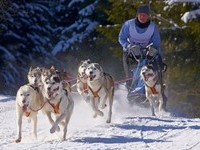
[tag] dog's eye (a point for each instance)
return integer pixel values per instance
(56, 79)
(28, 94)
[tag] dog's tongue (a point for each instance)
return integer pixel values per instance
(24, 108)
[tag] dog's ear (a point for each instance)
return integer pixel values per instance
(30, 69)
(150, 66)
(43, 70)
(99, 68)
(52, 68)
(56, 79)
(80, 63)
(89, 61)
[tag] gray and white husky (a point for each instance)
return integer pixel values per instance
(101, 89)
(28, 102)
(60, 102)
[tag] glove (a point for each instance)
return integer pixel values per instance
(152, 51)
(133, 49)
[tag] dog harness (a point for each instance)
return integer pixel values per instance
(152, 88)
(95, 94)
(85, 88)
(55, 106)
(27, 114)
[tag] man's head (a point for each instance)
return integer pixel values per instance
(143, 13)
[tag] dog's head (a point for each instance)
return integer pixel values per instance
(52, 82)
(94, 71)
(34, 76)
(82, 67)
(148, 72)
(25, 97)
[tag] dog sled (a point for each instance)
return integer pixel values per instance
(137, 57)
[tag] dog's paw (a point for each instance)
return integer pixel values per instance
(18, 140)
(165, 114)
(52, 130)
(63, 139)
(103, 106)
(108, 121)
(58, 129)
(95, 115)
(100, 113)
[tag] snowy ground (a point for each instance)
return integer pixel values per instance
(131, 128)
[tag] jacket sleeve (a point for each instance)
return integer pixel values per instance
(156, 40)
(124, 35)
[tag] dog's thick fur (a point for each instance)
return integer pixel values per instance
(153, 87)
(81, 83)
(100, 84)
(28, 102)
(59, 100)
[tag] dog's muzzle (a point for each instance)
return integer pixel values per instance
(24, 107)
(147, 76)
(91, 77)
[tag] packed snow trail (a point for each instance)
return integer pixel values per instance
(131, 128)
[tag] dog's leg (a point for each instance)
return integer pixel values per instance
(66, 125)
(111, 94)
(19, 128)
(94, 107)
(19, 124)
(161, 103)
(103, 104)
(58, 120)
(48, 114)
(151, 101)
(34, 120)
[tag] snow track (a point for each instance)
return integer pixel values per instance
(131, 128)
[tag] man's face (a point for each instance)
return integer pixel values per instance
(143, 17)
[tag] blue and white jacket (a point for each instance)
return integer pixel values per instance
(130, 33)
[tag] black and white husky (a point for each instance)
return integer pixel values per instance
(154, 91)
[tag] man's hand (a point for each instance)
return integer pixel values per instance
(133, 49)
(152, 51)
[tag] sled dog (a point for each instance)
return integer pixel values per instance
(59, 100)
(34, 78)
(153, 87)
(100, 85)
(81, 83)
(27, 104)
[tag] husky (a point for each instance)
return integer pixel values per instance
(34, 77)
(28, 103)
(100, 85)
(81, 83)
(153, 88)
(59, 100)
(35, 80)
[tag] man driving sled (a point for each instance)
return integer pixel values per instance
(138, 33)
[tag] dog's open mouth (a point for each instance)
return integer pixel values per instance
(24, 108)
(91, 77)
(50, 94)
(148, 75)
